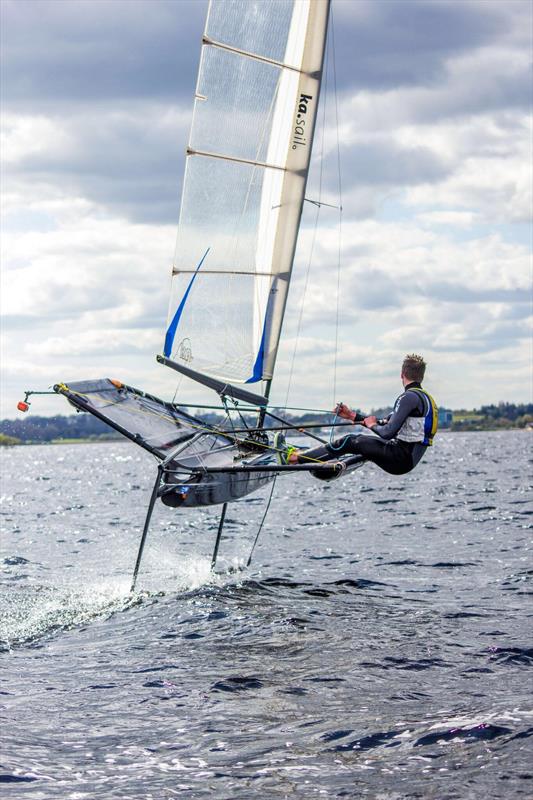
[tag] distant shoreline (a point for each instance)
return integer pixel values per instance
(88, 440)
(85, 428)
(106, 439)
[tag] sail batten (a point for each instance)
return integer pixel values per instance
(192, 152)
(247, 54)
(176, 271)
(244, 186)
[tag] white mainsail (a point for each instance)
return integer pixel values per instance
(244, 184)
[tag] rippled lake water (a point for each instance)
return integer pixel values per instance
(381, 644)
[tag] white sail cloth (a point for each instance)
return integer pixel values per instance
(244, 184)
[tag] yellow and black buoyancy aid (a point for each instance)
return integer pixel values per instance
(421, 429)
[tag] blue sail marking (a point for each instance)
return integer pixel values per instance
(257, 374)
(171, 332)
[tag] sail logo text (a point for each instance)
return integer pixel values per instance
(298, 138)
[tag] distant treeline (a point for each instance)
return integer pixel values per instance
(510, 411)
(494, 417)
(49, 429)
(33, 429)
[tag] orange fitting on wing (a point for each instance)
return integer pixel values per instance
(118, 384)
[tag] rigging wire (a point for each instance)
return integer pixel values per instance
(339, 252)
(315, 231)
(330, 62)
(249, 408)
(302, 303)
(238, 410)
(229, 418)
(206, 429)
(178, 387)
(226, 408)
(262, 521)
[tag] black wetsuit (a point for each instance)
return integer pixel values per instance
(392, 455)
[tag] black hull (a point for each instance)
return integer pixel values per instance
(214, 489)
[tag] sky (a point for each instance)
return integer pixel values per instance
(434, 132)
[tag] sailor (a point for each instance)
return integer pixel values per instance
(402, 438)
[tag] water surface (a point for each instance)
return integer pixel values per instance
(380, 645)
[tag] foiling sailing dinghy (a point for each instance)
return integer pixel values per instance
(245, 177)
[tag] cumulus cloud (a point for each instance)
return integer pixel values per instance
(124, 159)
(434, 140)
(409, 43)
(79, 53)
